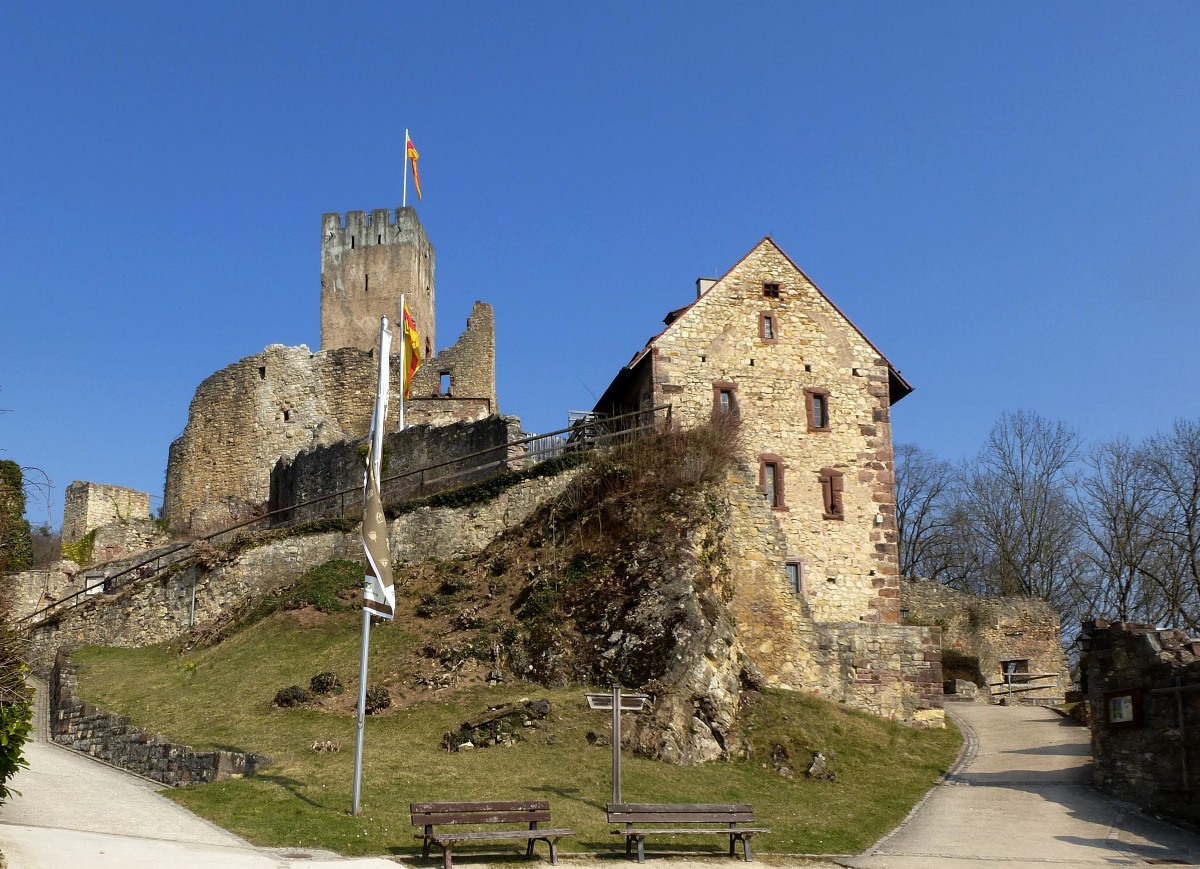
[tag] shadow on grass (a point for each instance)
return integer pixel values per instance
(292, 786)
(570, 794)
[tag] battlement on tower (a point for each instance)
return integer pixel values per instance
(368, 261)
(357, 229)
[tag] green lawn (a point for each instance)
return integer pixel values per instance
(221, 696)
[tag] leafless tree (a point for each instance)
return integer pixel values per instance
(1016, 507)
(1118, 506)
(924, 492)
(1174, 461)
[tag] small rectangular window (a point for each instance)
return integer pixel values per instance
(820, 411)
(724, 398)
(795, 575)
(767, 326)
(832, 485)
(444, 382)
(770, 477)
(771, 291)
(816, 404)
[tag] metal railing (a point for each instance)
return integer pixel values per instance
(585, 432)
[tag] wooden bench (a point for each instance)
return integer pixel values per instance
(531, 812)
(705, 819)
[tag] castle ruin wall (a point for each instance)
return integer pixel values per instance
(1018, 633)
(456, 455)
(87, 506)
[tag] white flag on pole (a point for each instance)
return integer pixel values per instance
(379, 595)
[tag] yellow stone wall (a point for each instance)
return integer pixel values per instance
(850, 563)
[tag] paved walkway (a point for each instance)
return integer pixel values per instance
(1022, 798)
(77, 812)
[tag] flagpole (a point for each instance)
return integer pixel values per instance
(403, 347)
(404, 160)
(376, 454)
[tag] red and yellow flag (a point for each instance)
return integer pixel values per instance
(411, 152)
(412, 348)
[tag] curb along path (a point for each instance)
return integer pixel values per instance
(1021, 796)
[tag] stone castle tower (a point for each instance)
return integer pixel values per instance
(270, 406)
(367, 263)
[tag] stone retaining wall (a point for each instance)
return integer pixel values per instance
(113, 739)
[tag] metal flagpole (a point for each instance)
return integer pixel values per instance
(403, 342)
(404, 198)
(377, 423)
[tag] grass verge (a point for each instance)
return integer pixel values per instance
(220, 697)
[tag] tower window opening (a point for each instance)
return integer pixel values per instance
(366, 283)
(262, 372)
(351, 242)
(287, 416)
(444, 383)
(379, 239)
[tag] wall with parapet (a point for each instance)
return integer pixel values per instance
(31, 590)
(994, 631)
(113, 739)
(467, 452)
(247, 416)
(1143, 689)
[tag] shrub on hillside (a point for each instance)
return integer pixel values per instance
(378, 699)
(293, 695)
(324, 683)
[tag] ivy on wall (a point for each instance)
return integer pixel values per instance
(16, 537)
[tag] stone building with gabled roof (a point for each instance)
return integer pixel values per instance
(813, 396)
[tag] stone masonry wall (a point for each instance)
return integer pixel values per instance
(247, 416)
(91, 505)
(995, 630)
(1143, 689)
(889, 670)
(325, 470)
(158, 609)
(851, 561)
(367, 262)
(31, 590)
(120, 539)
(470, 365)
(113, 739)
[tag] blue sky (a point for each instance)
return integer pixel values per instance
(1004, 197)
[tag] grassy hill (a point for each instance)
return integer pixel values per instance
(574, 596)
(221, 697)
